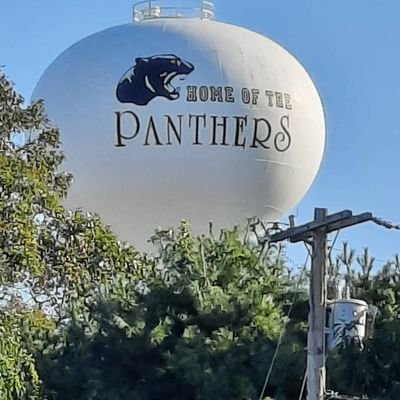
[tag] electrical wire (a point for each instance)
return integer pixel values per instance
(333, 243)
(303, 385)
(278, 345)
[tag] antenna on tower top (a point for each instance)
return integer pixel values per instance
(154, 9)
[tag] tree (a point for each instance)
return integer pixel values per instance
(49, 256)
(52, 252)
(347, 258)
(202, 324)
(18, 376)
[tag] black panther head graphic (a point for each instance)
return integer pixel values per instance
(151, 77)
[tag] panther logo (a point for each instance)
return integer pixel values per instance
(151, 77)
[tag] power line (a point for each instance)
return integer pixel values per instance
(303, 385)
(385, 224)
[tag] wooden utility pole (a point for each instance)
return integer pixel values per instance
(317, 313)
(317, 231)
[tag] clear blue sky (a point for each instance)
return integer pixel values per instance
(351, 49)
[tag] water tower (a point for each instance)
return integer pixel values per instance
(176, 116)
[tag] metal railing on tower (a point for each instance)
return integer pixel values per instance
(153, 9)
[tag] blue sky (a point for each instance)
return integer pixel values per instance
(350, 48)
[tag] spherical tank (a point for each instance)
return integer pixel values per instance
(167, 119)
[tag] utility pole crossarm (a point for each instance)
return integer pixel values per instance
(337, 225)
(309, 227)
(331, 223)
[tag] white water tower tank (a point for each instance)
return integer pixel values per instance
(176, 116)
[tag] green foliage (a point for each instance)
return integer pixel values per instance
(49, 257)
(30, 183)
(201, 324)
(18, 376)
(55, 254)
